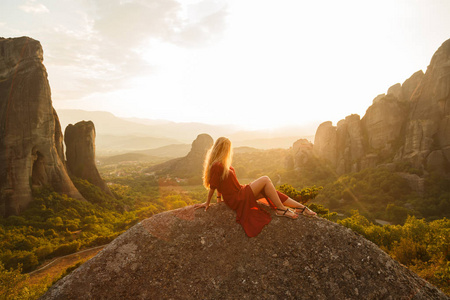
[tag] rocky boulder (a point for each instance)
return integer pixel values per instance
(190, 166)
(30, 134)
(80, 153)
(193, 254)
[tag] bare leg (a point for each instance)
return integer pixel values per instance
(265, 184)
(292, 203)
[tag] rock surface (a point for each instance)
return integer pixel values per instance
(80, 153)
(411, 123)
(383, 123)
(325, 142)
(193, 254)
(302, 151)
(190, 166)
(349, 144)
(30, 133)
(427, 127)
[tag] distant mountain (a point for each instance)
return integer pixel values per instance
(105, 123)
(162, 154)
(108, 124)
(117, 135)
(170, 151)
(129, 157)
(113, 143)
(270, 143)
(148, 121)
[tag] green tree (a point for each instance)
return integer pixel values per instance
(302, 196)
(11, 282)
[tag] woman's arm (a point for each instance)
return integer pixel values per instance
(210, 194)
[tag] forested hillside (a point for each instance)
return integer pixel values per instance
(56, 225)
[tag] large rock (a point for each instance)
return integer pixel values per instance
(396, 91)
(187, 254)
(427, 128)
(383, 123)
(80, 153)
(410, 85)
(30, 133)
(339, 145)
(301, 152)
(190, 166)
(349, 144)
(411, 123)
(325, 142)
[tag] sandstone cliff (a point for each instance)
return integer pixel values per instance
(187, 254)
(30, 133)
(427, 138)
(411, 123)
(190, 166)
(80, 153)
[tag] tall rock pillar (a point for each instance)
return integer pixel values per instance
(30, 134)
(80, 153)
(427, 139)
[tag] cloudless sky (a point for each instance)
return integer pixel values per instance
(254, 63)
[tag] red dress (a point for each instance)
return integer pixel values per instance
(240, 198)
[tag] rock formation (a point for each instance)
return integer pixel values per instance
(427, 138)
(193, 254)
(383, 123)
(344, 146)
(30, 134)
(325, 142)
(411, 123)
(190, 166)
(410, 85)
(80, 153)
(301, 152)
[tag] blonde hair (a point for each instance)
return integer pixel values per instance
(221, 152)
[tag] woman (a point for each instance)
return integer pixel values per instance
(218, 174)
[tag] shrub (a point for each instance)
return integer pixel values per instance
(66, 249)
(10, 282)
(407, 251)
(302, 196)
(25, 259)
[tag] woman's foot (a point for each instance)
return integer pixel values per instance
(305, 211)
(286, 213)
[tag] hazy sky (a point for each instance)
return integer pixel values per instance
(259, 63)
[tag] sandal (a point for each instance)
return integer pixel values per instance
(293, 216)
(305, 211)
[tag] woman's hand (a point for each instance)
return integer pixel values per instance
(205, 205)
